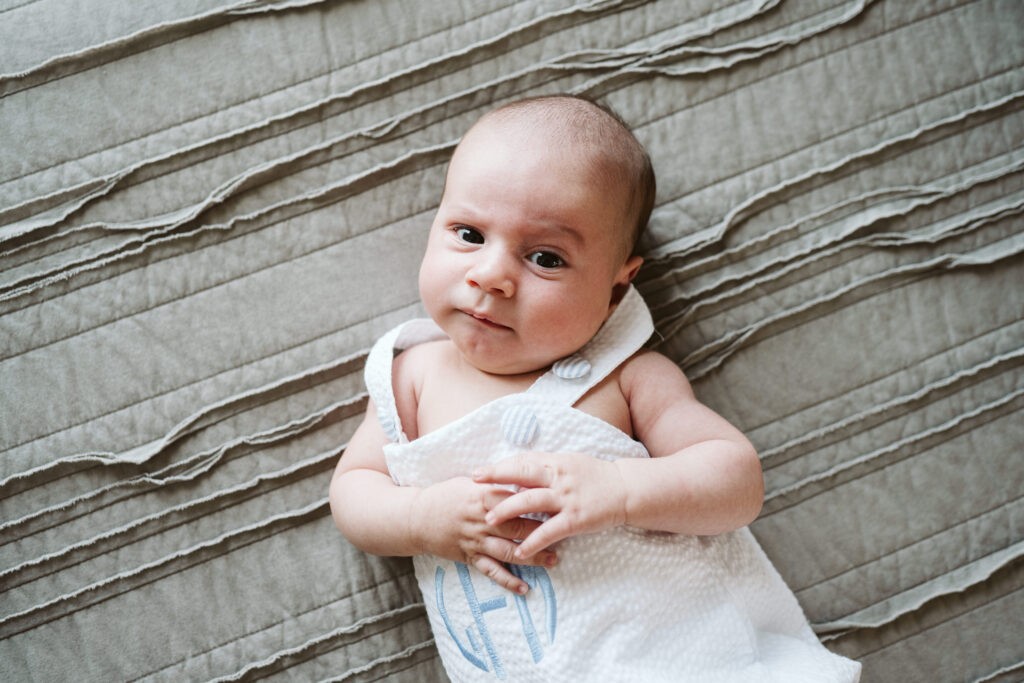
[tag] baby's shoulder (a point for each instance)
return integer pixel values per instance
(410, 372)
(646, 360)
(649, 373)
(411, 365)
(426, 351)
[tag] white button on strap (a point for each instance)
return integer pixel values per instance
(520, 426)
(572, 367)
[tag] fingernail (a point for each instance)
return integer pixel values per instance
(551, 561)
(477, 474)
(522, 589)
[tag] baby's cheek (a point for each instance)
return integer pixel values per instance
(573, 328)
(432, 283)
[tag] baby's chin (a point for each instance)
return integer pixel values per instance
(500, 350)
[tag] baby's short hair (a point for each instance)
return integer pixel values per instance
(622, 161)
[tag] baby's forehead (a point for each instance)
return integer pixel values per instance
(592, 138)
(576, 147)
(544, 138)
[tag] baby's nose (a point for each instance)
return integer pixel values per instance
(494, 274)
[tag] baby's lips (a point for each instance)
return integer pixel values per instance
(489, 321)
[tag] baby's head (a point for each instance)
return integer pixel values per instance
(597, 139)
(532, 245)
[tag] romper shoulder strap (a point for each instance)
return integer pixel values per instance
(377, 373)
(623, 334)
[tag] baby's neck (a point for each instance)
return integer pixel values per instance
(452, 388)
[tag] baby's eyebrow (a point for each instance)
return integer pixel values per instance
(560, 229)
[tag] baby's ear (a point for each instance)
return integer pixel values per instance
(626, 274)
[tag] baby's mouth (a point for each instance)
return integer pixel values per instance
(487, 321)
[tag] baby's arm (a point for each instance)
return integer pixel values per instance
(703, 478)
(446, 519)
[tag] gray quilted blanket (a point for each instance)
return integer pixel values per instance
(209, 209)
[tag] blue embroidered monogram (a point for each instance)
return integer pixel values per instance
(536, 578)
(480, 642)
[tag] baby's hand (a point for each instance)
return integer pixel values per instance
(449, 520)
(581, 493)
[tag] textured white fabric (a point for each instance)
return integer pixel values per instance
(621, 605)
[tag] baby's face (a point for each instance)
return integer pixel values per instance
(523, 253)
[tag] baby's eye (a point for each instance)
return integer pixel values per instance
(545, 259)
(469, 235)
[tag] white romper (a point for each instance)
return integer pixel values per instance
(620, 605)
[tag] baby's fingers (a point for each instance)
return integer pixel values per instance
(505, 551)
(515, 529)
(528, 471)
(525, 502)
(499, 573)
(547, 534)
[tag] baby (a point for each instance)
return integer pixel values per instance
(573, 511)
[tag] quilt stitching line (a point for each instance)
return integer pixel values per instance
(406, 654)
(377, 83)
(827, 435)
(227, 16)
(952, 424)
(724, 302)
(861, 125)
(917, 541)
(717, 352)
(942, 622)
(26, 3)
(207, 288)
(220, 500)
(958, 344)
(262, 530)
(686, 108)
(375, 587)
(284, 660)
(150, 482)
(210, 377)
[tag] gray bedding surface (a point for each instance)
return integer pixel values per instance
(210, 209)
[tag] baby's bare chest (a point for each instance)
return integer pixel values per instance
(445, 399)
